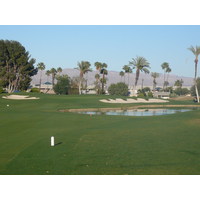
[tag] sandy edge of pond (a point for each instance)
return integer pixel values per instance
(129, 108)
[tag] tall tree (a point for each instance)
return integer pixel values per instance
(164, 66)
(59, 70)
(141, 65)
(101, 67)
(97, 83)
(178, 83)
(168, 70)
(127, 70)
(121, 74)
(196, 52)
(103, 80)
(154, 75)
(83, 67)
(16, 66)
(41, 67)
(53, 74)
(48, 73)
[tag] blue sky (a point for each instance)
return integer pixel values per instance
(63, 46)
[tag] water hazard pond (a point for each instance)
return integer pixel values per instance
(138, 112)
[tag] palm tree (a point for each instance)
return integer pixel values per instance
(41, 67)
(168, 70)
(101, 67)
(59, 70)
(128, 70)
(154, 75)
(53, 72)
(98, 66)
(141, 65)
(196, 52)
(121, 74)
(97, 83)
(103, 80)
(164, 66)
(178, 83)
(48, 74)
(83, 67)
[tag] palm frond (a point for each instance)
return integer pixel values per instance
(192, 49)
(145, 70)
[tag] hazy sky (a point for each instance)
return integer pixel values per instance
(63, 46)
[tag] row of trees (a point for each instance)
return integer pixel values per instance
(142, 65)
(17, 68)
(84, 67)
(53, 72)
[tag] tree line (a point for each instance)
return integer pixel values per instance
(17, 68)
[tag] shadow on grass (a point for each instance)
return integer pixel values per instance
(58, 143)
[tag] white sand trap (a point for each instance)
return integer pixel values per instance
(139, 100)
(19, 97)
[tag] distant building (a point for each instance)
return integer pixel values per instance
(163, 95)
(47, 88)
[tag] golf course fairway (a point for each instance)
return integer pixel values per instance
(94, 144)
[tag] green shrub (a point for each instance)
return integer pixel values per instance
(120, 89)
(62, 86)
(150, 94)
(146, 89)
(181, 91)
(141, 95)
(37, 90)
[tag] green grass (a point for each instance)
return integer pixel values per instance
(167, 144)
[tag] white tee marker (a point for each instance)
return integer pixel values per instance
(52, 141)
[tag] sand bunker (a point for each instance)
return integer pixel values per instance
(139, 100)
(19, 97)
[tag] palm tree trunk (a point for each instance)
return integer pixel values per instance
(40, 78)
(154, 84)
(164, 82)
(196, 88)
(53, 77)
(167, 76)
(80, 82)
(79, 87)
(102, 84)
(137, 77)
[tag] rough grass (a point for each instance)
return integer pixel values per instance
(95, 144)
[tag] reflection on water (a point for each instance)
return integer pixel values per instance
(137, 112)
